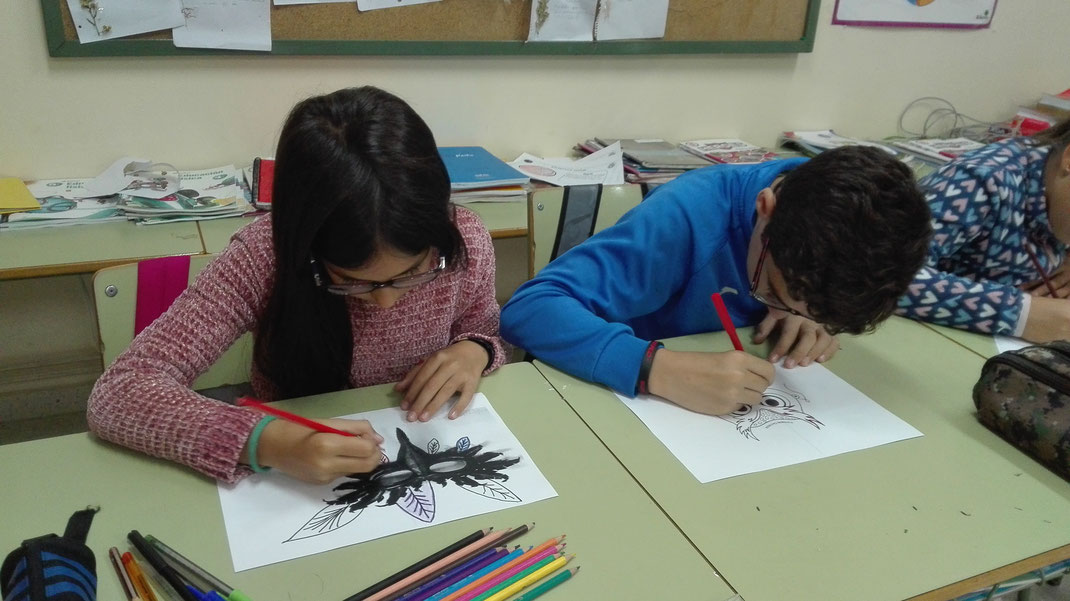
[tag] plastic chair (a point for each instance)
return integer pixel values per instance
(115, 292)
(560, 218)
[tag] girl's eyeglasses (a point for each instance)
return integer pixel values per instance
(365, 286)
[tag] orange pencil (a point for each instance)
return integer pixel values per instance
(138, 578)
(485, 579)
(446, 562)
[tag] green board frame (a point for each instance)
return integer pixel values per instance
(60, 46)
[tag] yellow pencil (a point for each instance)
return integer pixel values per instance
(530, 579)
(142, 586)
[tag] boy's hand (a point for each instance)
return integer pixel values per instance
(800, 341)
(456, 368)
(318, 457)
(710, 383)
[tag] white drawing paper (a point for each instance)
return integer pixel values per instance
(605, 166)
(807, 413)
(915, 13)
(380, 4)
(225, 24)
(630, 19)
(562, 20)
(1008, 343)
(110, 19)
(432, 472)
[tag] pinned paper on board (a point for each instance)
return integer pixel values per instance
(229, 25)
(562, 20)
(365, 5)
(807, 413)
(97, 20)
(971, 14)
(432, 472)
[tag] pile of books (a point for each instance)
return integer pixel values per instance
(812, 143)
(478, 175)
(656, 161)
(938, 150)
(64, 202)
(205, 194)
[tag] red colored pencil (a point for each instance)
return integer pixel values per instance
(726, 320)
(286, 415)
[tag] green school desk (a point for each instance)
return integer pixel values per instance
(85, 249)
(503, 220)
(928, 518)
(981, 344)
(627, 547)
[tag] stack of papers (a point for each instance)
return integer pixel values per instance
(815, 142)
(478, 175)
(729, 150)
(206, 194)
(940, 150)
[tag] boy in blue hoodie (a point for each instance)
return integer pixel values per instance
(812, 247)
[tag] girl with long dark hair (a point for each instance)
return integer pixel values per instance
(364, 273)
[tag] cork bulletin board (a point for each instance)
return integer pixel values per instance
(474, 27)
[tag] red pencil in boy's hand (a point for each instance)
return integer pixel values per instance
(726, 320)
(286, 415)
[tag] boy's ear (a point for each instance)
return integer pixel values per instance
(765, 203)
(1064, 161)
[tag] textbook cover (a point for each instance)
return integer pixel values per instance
(474, 167)
(655, 153)
(729, 150)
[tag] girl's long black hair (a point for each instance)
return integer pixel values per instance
(355, 171)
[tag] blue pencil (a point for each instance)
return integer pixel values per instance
(448, 578)
(473, 577)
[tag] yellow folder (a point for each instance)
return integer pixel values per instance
(15, 196)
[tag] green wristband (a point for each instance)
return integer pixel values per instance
(254, 440)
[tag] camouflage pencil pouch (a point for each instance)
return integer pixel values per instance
(1024, 396)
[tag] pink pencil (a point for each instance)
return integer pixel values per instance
(484, 543)
(726, 320)
(523, 564)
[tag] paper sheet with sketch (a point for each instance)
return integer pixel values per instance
(630, 19)
(562, 20)
(808, 413)
(432, 472)
(111, 19)
(228, 25)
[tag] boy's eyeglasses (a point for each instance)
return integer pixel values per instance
(365, 286)
(772, 304)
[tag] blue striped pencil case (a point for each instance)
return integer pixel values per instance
(53, 568)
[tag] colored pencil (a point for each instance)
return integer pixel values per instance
(1043, 276)
(419, 565)
(518, 567)
(548, 584)
(124, 579)
(416, 579)
(726, 319)
(291, 417)
(479, 584)
(462, 571)
(530, 579)
(449, 590)
(514, 578)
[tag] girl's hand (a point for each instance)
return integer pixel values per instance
(1060, 281)
(454, 369)
(318, 457)
(800, 340)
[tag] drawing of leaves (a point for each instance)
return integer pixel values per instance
(492, 490)
(419, 502)
(432, 445)
(328, 519)
(463, 444)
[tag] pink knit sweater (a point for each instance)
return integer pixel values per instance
(144, 401)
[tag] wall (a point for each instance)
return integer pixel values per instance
(72, 117)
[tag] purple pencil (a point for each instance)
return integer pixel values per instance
(475, 564)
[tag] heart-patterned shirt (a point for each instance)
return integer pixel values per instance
(989, 211)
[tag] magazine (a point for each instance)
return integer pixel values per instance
(729, 150)
(939, 149)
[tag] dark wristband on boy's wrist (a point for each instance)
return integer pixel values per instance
(487, 347)
(648, 362)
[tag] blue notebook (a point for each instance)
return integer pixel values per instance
(474, 167)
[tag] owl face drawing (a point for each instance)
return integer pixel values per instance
(778, 406)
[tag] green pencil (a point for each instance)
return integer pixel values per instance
(553, 581)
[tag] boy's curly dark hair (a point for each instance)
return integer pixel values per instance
(850, 230)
